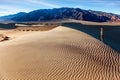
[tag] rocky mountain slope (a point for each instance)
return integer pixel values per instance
(64, 13)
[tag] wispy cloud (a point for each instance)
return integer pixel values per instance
(98, 2)
(8, 9)
(14, 6)
(43, 3)
(107, 2)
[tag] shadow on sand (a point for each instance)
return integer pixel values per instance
(110, 33)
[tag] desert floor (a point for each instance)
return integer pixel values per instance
(59, 54)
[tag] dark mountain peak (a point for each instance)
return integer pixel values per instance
(13, 15)
(21, 13)
(65, 13)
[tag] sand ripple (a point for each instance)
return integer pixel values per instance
(59, 54)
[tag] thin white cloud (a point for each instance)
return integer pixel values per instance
(14, 6)
(98, 2)
(112, 4)
(6, 9)
(17, 6)
(43, 3)
(107, 3)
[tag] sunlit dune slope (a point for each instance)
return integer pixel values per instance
(59, 54)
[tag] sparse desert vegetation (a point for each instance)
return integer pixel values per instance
(36, 27)
(3, 37)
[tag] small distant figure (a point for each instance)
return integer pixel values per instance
(101, 34)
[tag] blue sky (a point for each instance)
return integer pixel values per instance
(14, 6)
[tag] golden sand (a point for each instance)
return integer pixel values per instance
(59, 54)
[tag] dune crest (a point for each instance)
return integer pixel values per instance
(59, 54)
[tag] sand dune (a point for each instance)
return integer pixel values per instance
(59, 54)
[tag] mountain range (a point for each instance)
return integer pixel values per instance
(61, 14)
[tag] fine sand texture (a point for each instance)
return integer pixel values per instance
(109, 32)
(59, 54)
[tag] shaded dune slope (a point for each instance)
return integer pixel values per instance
(111, 32)
(60, 54)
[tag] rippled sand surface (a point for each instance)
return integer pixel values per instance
(59, 54)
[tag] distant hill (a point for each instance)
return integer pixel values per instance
(10, 17)
(63, 13)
